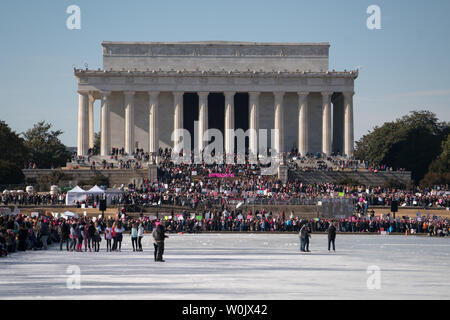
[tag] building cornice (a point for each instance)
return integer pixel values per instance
(209, 73)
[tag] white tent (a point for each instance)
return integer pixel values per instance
(69, 214)
(74, 195)
(95, 190)
(113, 193)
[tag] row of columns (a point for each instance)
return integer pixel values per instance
(86, 121)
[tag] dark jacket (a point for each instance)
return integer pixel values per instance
(158, 233)
(91, 231)
(65, 231)
(332, 232)
(44, 231)
(23, 234)
(303, 231)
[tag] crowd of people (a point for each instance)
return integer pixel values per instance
(193, 187)
(21, 233)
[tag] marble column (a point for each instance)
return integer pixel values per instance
(278, 145)
(348, 124)
(178, 112)
(83, 123)
(303, 123)
(153, 130)
(253, 122)
(326, 123)
(202, 119)
(105, 135)
(229, 122)
(91, 120)
(129, 122)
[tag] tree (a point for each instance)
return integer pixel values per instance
(98, 179)
(12, 148)
(44, 182)
(10, 173)
(44, 147)
(411, 142)
(97, 142)
(439, 171)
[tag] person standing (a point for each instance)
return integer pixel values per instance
(85, 235)
(73, 237)
(331, 236)
(114, 236)
(134, 237)
(97, 237)
(302, 234)
(91, 236)
(23, 236)
(80, 237)
(308, 235)
(44, 232)
(140, 236)
(119, 229)
(64, 237)
(158, 239)
(108, 237)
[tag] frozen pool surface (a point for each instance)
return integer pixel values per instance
(238, 266)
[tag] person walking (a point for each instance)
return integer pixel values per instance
(302, 235)
(158, 240)
(331, 236)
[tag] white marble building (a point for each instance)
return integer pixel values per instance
(148, 89)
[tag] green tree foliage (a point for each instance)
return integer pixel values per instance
(97, 142)
(411, 142)
(55, 178)
(439, 172)
(98, 179)
(10, 173)
(12, 148)
(44, 147)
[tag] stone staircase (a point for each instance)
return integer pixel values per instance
(363, 177)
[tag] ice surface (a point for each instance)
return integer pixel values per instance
(238, 266)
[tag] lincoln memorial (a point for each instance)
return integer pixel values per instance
(149, 89)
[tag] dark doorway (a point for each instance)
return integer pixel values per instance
(216, 112)
(190, 114)
(241, 116)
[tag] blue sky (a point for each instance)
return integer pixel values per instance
(404, 66)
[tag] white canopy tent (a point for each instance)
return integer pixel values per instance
(74, 195)
(78, 194)
(69, 214)
(95, 190)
